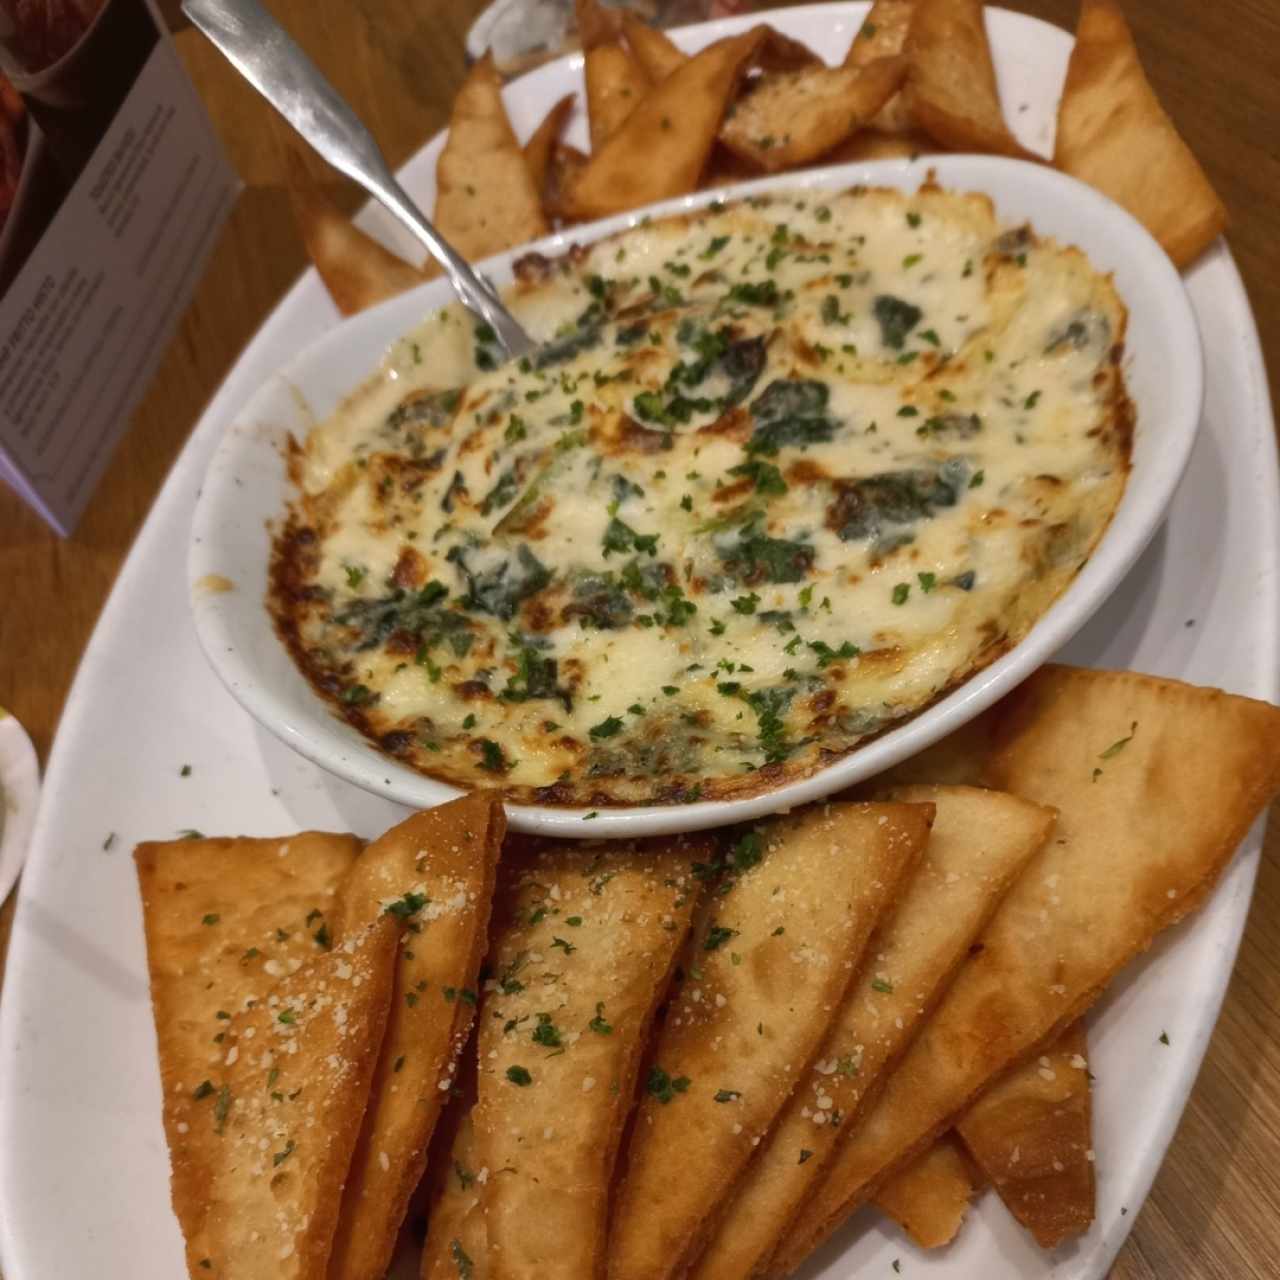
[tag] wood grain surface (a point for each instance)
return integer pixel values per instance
(1215, 1209)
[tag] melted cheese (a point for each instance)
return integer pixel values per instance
(785, 471)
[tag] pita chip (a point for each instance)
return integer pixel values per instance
(952, 88)
(930, 1198)
(654, 50)
(224, 918)
(281, 1118)
(883, 34)
(662, 148)
(1114, 134)
(357, 271)
(980, 843)
(456, 1235)
(593, 933)
(616, 84)
(435, 874)
(486, 200)
(790, 118)
(771, 963)
(1030, 1134)
(1156, 783)
(542, 141)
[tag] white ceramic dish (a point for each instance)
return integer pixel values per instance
(83, 1168)
(247, 487)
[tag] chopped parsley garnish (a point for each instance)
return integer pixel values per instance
(492, 757)
(222, 1108)
(567, 947)
(546, 1033)
(927, 581)
(466, 1267)
(281, 1156)
(805, 1154)
(882, 985)
(202, 1090)
(409, 905)
(745, 604)
(900, 592)
(606, 728)
(1119, 745)
(621, 537)
(717, 936)
(598, 1023)
(212, 918)
(661, 1086)
(728, 1095)
(766, 478)
(519, 1076)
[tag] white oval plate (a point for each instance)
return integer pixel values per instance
(83, 1169)
(247, 488)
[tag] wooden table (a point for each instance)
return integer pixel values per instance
(1215, 1210)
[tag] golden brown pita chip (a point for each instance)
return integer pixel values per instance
(788, 118)
(980, 843)
(593, 934)
(771, 963)
(485, 197)
(597, 23)
(1156, 783)
(872, 144)
(537, 151)
(661, 149)
(616, 84)
(224, 919)
(654, 50)
(456, 1235)
(883, 34)
(1114, 135)
(1030, 1135)
(566, 163)
(357, 271)
(929, 1198)
(952, 90)
(435, 872)
(275, 1137)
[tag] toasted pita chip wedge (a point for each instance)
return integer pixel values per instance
(1156, 783)
(883, 34)
(597, 23)
(1030, 1134)
(456, 1235)
(1108, 115)
(457, 1238)
(435, 871)
(981, 841)
(593, 935)
(654, 50)
(566, 163)
(542, 141)
(357, 271)
(789, 118)
(930, 1198)
(218, 913)
(661, 149)
(952, 91)
(486, 200)
(616, 84)
(872, 144)
(275, 1139)
(771, 964)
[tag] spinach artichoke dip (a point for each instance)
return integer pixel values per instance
(784, 472)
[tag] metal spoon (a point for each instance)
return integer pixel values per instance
(264, 53)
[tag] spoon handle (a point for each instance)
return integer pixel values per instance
(269, 59)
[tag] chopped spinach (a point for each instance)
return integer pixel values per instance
(790, 411)
(499, 591)
(896, 319)
(865, 507)
(754, 557)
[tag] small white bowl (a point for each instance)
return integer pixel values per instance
(246, 489)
